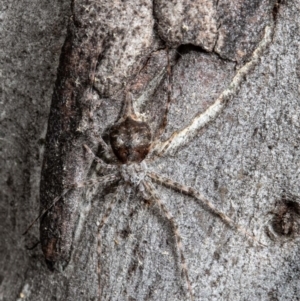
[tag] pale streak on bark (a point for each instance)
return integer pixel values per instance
(180, 138)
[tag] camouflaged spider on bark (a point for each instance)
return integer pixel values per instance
(134, 145)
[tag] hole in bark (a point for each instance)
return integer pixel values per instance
(286, 218)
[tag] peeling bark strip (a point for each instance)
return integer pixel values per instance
(228, 28)
(63, 161)
(98, 56)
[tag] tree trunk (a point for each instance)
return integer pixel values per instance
(245, 161)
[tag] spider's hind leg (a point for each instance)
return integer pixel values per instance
(90, 182)
(197, 195)
(102, 223)
(150, 190)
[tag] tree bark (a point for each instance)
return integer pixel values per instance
(246, 161)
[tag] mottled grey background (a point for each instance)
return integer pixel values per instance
(243, 162)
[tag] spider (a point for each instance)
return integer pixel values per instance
(133, 146)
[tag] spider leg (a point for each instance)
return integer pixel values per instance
(169, 92)
(90, 182)
(152, 192)
(150, 89)
(107, 154)
(197, 195)
(103, 221)
(45, 210)
(182, 137)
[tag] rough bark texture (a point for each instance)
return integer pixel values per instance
(246, 161)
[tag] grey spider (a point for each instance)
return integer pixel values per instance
(132, 144)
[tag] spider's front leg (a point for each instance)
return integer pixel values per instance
(103, 221)
(108, 154)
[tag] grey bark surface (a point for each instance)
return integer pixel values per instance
(246, 161)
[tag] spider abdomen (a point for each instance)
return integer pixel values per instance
(130, 140)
